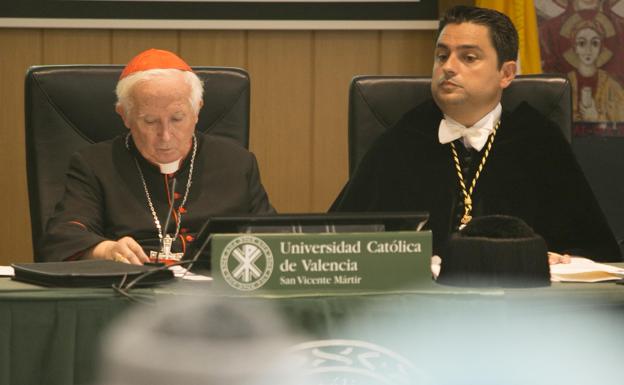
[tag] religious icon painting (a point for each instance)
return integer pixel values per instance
(581, 38)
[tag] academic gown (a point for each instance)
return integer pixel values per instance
(531, 173)
(105, 199)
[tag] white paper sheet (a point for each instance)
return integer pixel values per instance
(181, 272)
(6, 271)
(584, 270)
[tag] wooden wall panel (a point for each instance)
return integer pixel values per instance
(280, 65)
(214, 48)
(407, 52)
(68, 46)
(126, 44)
(21, 49)
(338, 56)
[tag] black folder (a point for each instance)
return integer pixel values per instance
(90, 273)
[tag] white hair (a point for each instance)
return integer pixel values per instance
(125, 86)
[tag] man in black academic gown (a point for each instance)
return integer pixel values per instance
(119, 192)
(462, 154)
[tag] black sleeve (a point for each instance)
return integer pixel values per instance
(363, 191)
(77, 221)
(380, 180)
(569, 216)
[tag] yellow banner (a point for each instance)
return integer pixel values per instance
(522, 14)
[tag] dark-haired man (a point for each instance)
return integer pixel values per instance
(462, 155)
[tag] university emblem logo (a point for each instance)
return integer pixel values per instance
(246, 263)
(353, 362)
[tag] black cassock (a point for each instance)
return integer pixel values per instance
(531, 173)
(105, 198)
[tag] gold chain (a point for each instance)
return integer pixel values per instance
(149, 197)
(468, 193)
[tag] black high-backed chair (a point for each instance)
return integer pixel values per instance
(376, 103)
(71, 106)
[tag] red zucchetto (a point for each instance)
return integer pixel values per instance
(154, 59)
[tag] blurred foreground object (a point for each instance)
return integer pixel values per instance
(197, 340)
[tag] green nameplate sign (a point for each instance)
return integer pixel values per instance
(321, 263)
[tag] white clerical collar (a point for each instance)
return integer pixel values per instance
(169, 168)
(472, 137)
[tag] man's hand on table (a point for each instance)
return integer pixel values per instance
(555, 258)
(125, 250)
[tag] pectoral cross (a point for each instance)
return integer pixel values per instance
(165, 253)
